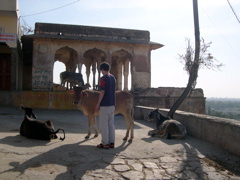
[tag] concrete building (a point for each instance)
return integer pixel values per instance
(10, 48)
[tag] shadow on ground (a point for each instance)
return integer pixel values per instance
(80, 158)
(210, 154)
(74, 156)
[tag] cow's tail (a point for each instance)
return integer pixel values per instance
(63, 133)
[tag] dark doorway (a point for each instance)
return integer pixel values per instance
(5, 71)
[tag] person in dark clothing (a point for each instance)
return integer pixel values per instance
(106, 107)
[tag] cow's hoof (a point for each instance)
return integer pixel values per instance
(87, 137)
(130, 140)
(96, 135)
(125, 138)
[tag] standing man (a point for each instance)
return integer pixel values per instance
(106, 107)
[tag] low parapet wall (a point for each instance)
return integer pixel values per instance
(165, 97)
(220, 131)
(38, 99)
(161, 97)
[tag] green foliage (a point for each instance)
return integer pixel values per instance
(226, 108)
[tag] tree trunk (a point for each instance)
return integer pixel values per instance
(194, 69)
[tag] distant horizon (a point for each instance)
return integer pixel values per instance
(221, 98)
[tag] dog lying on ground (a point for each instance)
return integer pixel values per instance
(35, 129)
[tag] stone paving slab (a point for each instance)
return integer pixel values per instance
(77, 158)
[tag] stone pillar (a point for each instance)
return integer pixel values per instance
(119, 76)
(79, 63)
(94, 74)
(126, 73)
(87, 65)
(99, 76)
(141, 70)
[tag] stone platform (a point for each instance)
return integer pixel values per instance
(76, 158)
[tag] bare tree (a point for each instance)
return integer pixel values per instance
(26, 29)
(206, 60)
(192, 66)
(193, 60)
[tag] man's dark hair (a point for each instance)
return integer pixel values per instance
(104, 66)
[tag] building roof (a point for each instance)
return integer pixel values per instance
(92, 33)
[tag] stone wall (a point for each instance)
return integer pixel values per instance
(43, 61)
(220, 131)
(38, 99)
(164, 97)
(72, 44)
(153, 97)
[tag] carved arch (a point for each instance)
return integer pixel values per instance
(68, 56)
(93, 58)
(121, 61)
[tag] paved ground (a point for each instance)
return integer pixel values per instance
(77, 158)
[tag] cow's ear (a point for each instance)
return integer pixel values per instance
(84, 94)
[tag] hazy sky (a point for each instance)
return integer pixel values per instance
(170, 22)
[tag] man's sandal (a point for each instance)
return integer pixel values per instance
(102, 146)
(111, 145)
